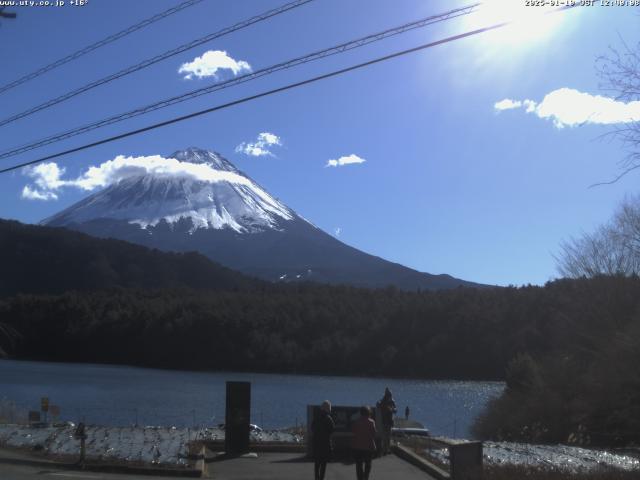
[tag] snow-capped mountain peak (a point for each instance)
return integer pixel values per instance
(197, 186)
(199, 156)
(196, 200)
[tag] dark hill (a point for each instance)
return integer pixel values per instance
(38, 259)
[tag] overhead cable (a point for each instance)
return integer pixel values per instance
(101, 43)
(243, 78)
(265, 93)
(158, 58)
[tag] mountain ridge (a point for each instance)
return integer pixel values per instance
(210, 206)
(46, 260)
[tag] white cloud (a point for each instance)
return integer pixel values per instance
(530, 106)
(507, 104)
(261, 147)
(47, 177)
(567, 107)
(210, 62)
(35, 194)
(348, 160)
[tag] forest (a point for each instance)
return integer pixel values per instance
(567, 350)
(38, 259)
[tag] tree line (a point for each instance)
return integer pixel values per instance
(567, 350)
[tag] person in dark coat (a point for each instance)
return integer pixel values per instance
(363, 443)
(322, 428)
(387, 406)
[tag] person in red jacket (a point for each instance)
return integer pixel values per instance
(364, 442)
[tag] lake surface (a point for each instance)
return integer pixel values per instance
(121, 395)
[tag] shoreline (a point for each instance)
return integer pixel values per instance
(255, 372)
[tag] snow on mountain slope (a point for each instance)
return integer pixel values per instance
(198, 201)
(200, 186)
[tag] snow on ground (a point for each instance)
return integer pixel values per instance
(166, 446)
(556, 457)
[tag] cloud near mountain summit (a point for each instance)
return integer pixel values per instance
(47, 178)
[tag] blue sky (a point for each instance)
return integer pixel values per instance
(449, 183)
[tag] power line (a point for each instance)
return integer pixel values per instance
(151, 61)
(244, 78)
(96, 45)
(268, 93)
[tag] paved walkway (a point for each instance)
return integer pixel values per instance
(15, 465)
(13, 456)
(26, 472)
(290, 466)
(264, 466)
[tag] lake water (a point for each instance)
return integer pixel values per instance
(121, 395)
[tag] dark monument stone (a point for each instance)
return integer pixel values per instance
(466, 461)
(238, 412)
(34, 417)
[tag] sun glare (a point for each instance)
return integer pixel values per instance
(528, 24)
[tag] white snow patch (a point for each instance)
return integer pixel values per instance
(556, 457)
(148, 190)
(166, 446)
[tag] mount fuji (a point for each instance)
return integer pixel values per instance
(204, 203)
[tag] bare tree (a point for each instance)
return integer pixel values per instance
(628, 223)
(613, 249)
(619, 72)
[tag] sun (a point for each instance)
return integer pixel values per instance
(527, 24)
